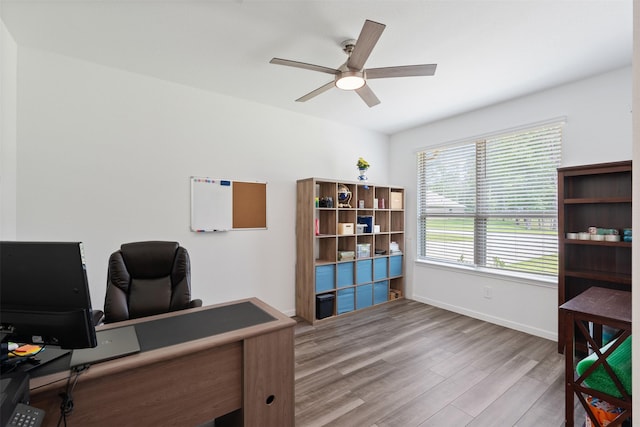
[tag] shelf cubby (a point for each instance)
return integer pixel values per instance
(397, 221)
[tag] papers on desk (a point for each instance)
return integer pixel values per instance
(25, 350)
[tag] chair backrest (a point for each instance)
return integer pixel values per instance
(147, 278)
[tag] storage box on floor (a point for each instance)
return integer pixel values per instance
(324, 305)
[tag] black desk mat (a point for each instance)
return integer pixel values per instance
(179, 329)
(201, 324)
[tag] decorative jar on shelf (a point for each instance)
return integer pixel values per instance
(362, 174)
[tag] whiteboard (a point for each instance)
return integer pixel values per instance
(211, 204)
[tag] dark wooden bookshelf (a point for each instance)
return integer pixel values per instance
(596, 195)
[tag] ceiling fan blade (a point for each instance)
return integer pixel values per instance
(304, 65)
(402, 71)
(316, 92)
(367, 39)
(368, 96)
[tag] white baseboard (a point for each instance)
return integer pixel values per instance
(550, 335)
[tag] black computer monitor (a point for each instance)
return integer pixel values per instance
(44, 294)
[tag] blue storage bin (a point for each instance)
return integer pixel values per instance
(380, 292)
(345, 300)
(345, 274)
(395, 265)
(364, 272)
(364, 296)
(325, 278)
(380, 270)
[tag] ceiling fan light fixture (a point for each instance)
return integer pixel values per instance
(350, 80)
(352, 75)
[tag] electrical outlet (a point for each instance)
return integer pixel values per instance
(488, 292)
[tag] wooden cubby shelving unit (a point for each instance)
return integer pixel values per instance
(592, 196)
(356, 283)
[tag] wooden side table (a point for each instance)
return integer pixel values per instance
(600, 306)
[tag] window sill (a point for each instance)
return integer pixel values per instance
(524, 278)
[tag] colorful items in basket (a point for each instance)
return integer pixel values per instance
(604, 412)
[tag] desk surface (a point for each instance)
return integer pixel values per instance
(238, 355)
(155, 333)
(602, 302)
(168, 333)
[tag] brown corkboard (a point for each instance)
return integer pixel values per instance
(249, 205)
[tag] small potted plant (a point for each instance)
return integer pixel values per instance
(362, 165)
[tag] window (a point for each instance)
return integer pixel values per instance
(492, 202)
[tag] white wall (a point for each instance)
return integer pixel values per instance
(105, 156)
(598, 129)
(8, 70)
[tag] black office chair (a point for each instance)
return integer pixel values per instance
(147, 278)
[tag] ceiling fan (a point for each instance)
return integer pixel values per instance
(352, 75)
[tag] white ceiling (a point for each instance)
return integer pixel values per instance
(486, 51)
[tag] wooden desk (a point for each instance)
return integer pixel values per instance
(186, 384)
(600, 306)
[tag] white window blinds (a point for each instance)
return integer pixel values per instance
(492, 202)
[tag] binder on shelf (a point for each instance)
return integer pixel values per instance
(367, 220)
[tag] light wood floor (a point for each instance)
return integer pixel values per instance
(410, 364)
